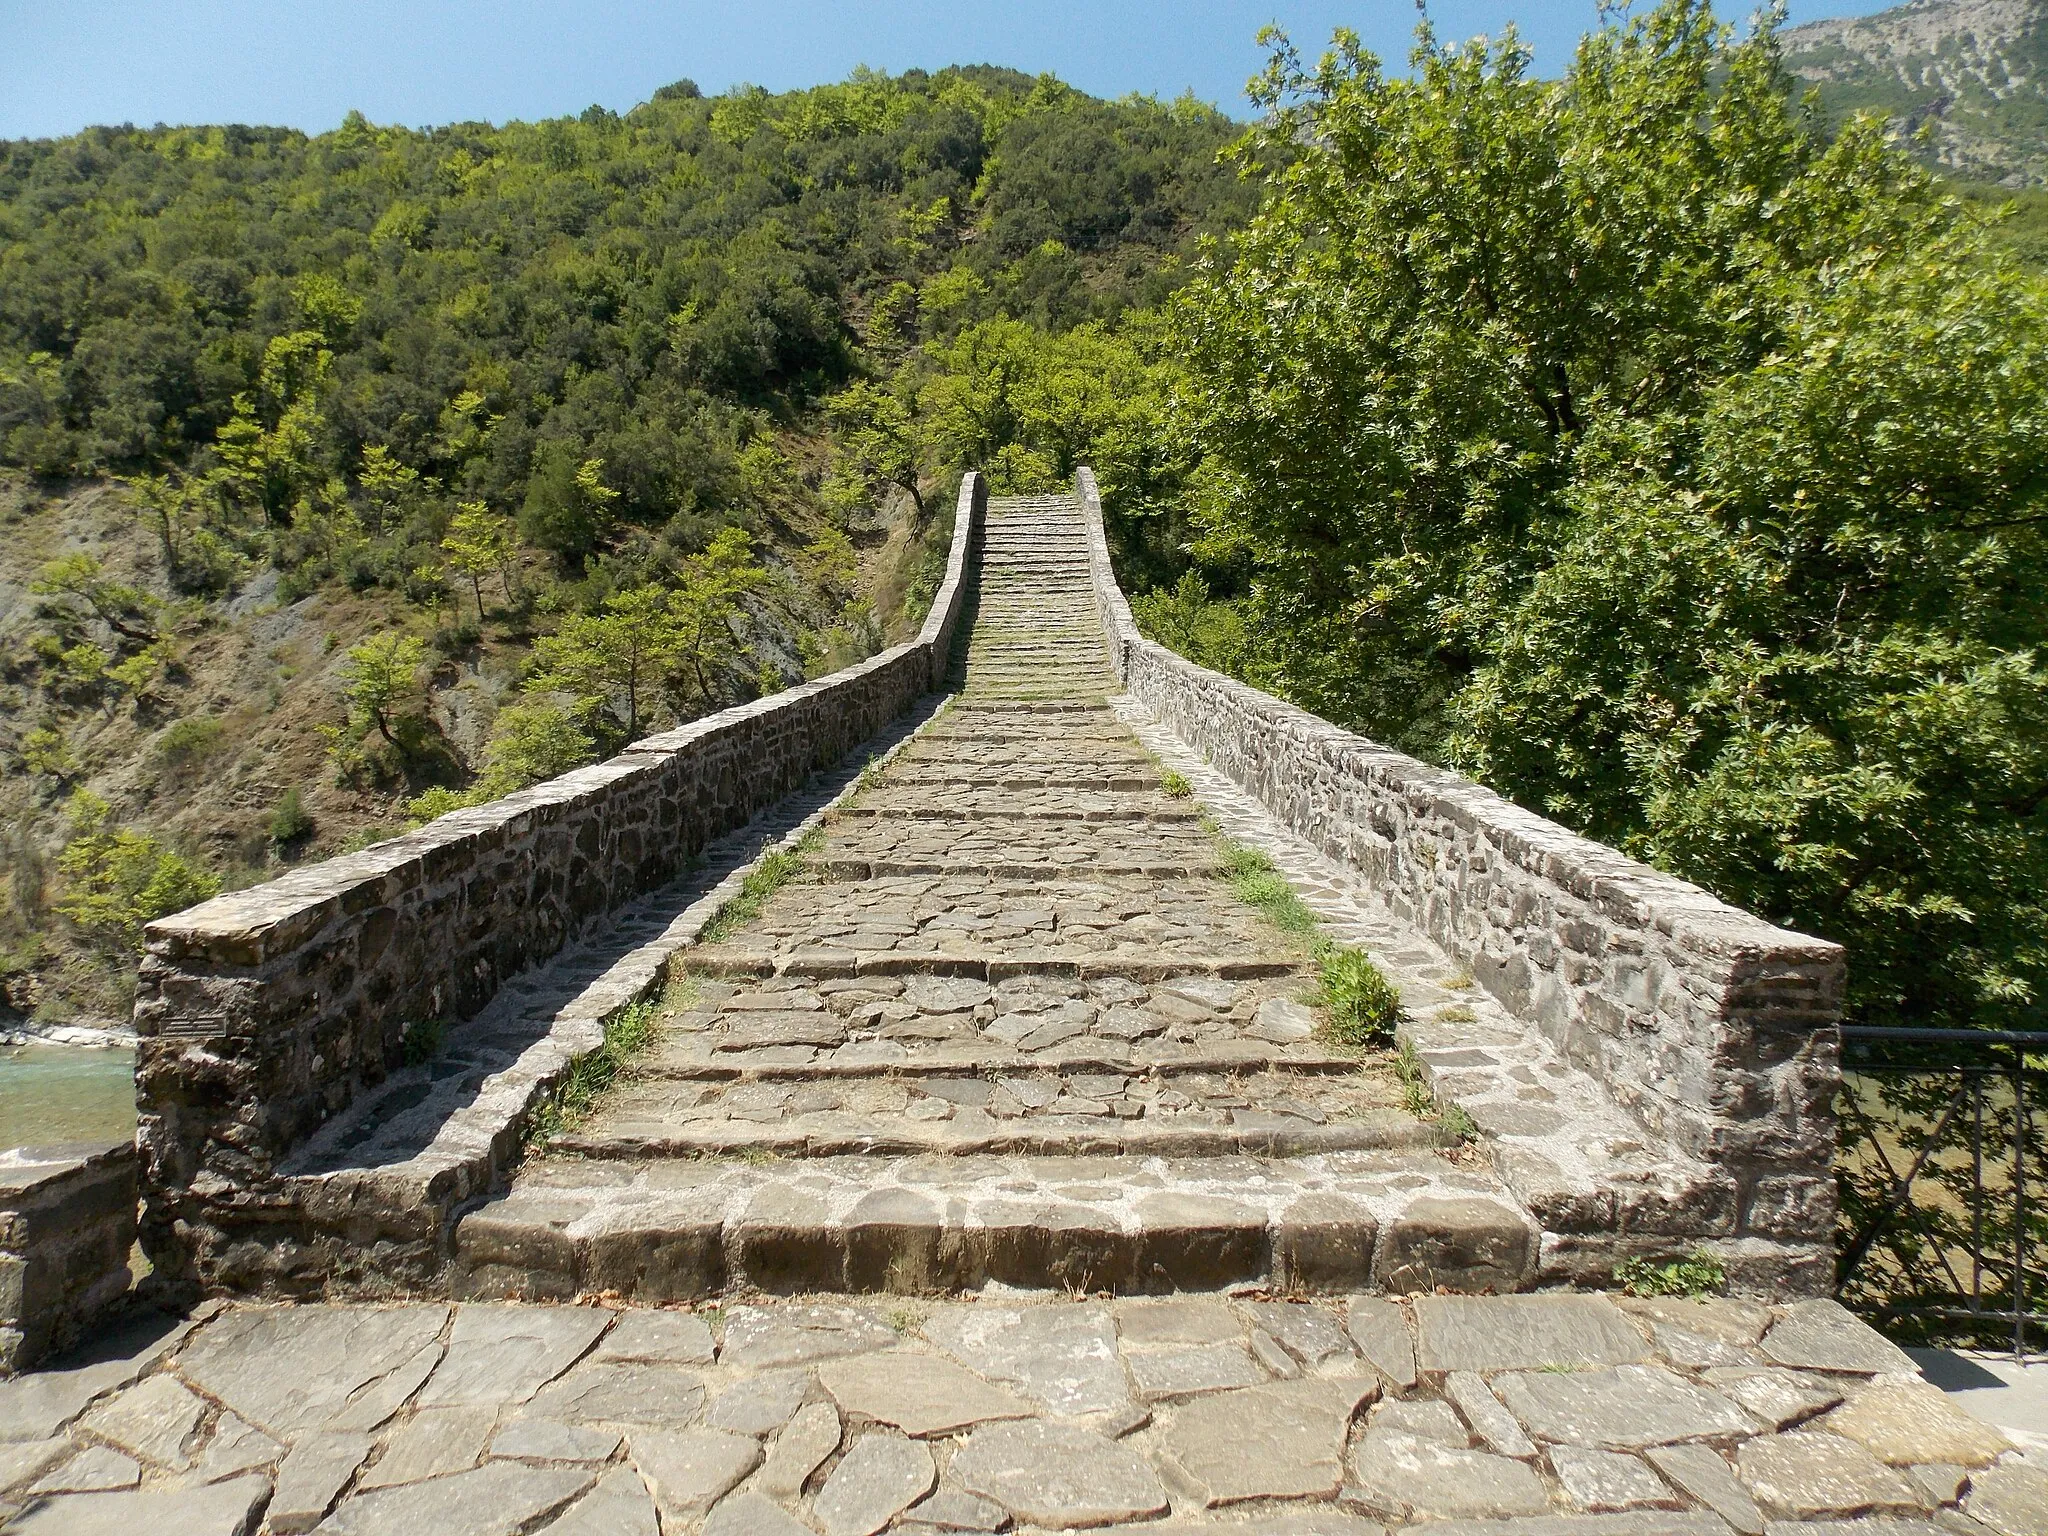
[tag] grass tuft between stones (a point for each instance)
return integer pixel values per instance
(1174, 786)
(1422, 1104)
(628, 1032)
(1259, 884)
(1360, 1005)
(1699, 1275)
(772, 872)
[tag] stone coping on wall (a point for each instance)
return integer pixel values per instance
(67, 1227)
(265, 1015)
(1707, 1033)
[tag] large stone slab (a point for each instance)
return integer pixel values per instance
(497, 1499)
(1827, 1336)
(1523, 1333)
(1808, 1474)
(880, 1477)
(658, 1396)
(1313, 1334)
(1624, 1408)
(224, 1509)
(1604, 1481)
(311, 1478)
(336, 1353)
(1489, 1420)
(759, 1405)
(692, 1470)
(797, 1335)
(95, 1469)
(432, 1443)
(1902, 1420)
(503, 1354)
(1444, 1482)
(676, 1338)
(1058, 1475)
(748, 1514)
(1777, 1399)
(1380, 1330)
(806, 1440)
(1065, 1357)
(156, 1420)
(1283, 1441)
(1701, 1472)
(552, 1440)
(919, 1394)
(1160, 1374)
(2011, 1499)
(618, 1506)
(237, 1446)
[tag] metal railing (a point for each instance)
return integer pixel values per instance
(1944, 1221)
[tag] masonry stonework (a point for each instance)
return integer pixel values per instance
(265, 1013)
(1714, 1030)
(67, 1227)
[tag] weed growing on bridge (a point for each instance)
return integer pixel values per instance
(1361, 1005)
(1417, 1099)
(423, 1040)
(771, 874)
(1696, 1276)
(1257, 883)
(626, 1034)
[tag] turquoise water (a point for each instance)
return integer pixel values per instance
(52, 1093)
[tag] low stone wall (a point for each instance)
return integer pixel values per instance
(264, 1013)
(1714, 1029)
(67, 1227)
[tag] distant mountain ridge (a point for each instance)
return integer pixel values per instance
(1976, 70)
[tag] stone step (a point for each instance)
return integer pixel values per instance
(852, 866)
(993, 804)
(827, 962)
(824, 1133)
(666, 1230)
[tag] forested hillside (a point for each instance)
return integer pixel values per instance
(1960, 81)
(359, 474)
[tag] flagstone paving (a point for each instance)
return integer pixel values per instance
(1546, 1415)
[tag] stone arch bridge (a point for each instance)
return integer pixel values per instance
(974, 992)
(1015, 1022)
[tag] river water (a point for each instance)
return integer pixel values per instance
(57, 1093)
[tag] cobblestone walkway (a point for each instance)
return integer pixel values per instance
(1543, 1415)
(1013, 1025)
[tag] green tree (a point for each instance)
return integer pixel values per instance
(479, 542)
(707, 604)
(115, 879)
(131, 613)
(568, 507)
(532, 742)
(382, 676)
(883, 439)
(1631, 442)
(620, 652)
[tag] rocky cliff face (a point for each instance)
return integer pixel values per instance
(1969, 72)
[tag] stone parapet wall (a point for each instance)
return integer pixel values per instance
(264, 1013)
(1713, 1029)
(67, 1228)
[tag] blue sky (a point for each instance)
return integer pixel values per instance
(67, 63)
